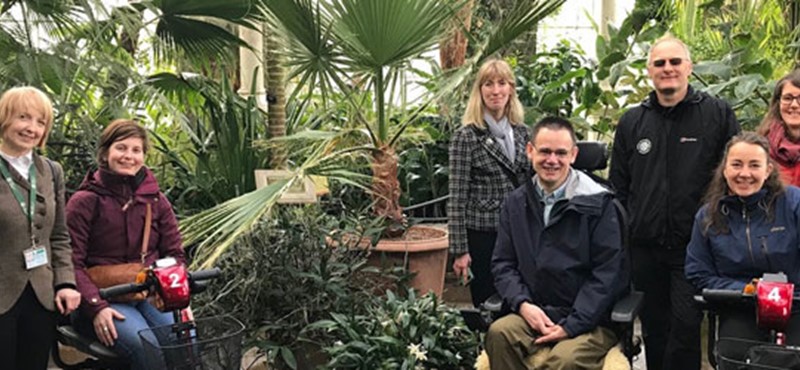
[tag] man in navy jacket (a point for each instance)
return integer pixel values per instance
(558, 261)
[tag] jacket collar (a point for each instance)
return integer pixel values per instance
(493, 147)
(103, 181)
(581, 194)
(692, 97)
(749, 203)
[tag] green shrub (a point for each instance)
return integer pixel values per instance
(284, 275)
(400, 333)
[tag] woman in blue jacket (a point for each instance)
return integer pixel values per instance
(748, 226)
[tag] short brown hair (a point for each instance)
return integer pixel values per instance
(26, 98)
(119, 129)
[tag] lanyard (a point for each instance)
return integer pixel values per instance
(31, 206)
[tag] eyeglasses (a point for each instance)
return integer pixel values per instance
(672, 61)
(788, 99)
(547, 152)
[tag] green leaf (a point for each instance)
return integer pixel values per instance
(747, 84)
(288, 357)
(718, 69)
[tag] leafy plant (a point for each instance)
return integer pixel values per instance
(211, 149)
(556, 82)
(400, 333)
(285, 274)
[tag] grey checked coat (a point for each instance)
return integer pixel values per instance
(478, 182)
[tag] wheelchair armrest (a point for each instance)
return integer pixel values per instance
(493, 304)
(479, 319)
(67, 335)
(626, 309)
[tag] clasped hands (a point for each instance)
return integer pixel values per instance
(538, 321)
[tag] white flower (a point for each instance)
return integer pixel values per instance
(338, 343)
(385, 323)
(416, 351)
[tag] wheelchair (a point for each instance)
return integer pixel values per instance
(592, 156)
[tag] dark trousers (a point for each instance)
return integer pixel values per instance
(481, 247)
(740, 323)
(27, 331)
(670, 318)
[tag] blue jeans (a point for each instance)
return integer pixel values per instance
(138, 316)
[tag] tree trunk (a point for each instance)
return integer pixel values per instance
(453, 49)
(276, 96)
(386, 191)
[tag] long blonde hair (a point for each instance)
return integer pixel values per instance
(494, 68)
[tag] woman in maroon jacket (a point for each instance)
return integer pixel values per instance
(106, 220)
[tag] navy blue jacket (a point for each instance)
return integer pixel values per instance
(731, 260)
(572, 267)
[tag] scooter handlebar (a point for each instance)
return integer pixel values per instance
(724, 295)
(205, 274)
(196, 278)
(122, 289)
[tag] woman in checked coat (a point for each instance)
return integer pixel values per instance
(487, 161)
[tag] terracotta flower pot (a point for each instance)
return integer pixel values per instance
(423, 249)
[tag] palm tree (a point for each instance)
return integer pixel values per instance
(361, 48)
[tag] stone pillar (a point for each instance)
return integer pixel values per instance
(251, 65)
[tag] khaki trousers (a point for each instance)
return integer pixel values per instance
(509, 345)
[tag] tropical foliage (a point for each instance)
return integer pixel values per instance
(360, 48)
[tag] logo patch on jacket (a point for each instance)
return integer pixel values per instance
(685, 139)
(776, 229)
(644, 146)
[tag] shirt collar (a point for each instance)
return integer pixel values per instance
(23, 161)
(557, 194)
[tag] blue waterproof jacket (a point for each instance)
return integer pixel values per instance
(573, 267)
(754, 245)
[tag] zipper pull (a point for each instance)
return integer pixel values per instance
(744, 209)
(127, 204)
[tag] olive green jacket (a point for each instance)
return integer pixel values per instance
(50, 230)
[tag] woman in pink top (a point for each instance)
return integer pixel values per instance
(781, 126)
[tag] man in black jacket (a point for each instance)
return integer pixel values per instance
(558, 262)
(665, 151)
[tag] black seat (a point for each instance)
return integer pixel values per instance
(592, 156)
(102, 356)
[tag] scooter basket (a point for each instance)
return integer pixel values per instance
(754, 355)
(214, 344)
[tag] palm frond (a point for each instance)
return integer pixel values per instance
(523, 18)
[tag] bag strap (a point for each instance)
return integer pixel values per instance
(56, 178)
(148, 221)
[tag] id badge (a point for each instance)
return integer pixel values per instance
(35, 257)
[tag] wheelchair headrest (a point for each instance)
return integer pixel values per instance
(592, 156)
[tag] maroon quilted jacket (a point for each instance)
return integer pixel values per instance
(106, 219)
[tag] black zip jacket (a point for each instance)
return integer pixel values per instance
(662, 161)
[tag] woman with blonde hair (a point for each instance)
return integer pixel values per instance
(35, 256)
(781, 126)
(487, 161)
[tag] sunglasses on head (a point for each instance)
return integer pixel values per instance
(663, 62)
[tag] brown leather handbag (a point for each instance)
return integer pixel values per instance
(104, 276)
